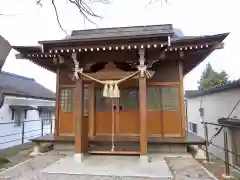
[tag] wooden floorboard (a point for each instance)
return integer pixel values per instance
(191, 139)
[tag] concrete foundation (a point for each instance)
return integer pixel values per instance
(168, 148)
(64, 147)
(112, 166)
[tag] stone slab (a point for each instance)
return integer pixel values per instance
(124, 166)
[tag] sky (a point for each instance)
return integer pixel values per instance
(26, 24)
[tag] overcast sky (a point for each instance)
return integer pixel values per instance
(195, 17)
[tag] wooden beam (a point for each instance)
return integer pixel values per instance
(56, 131)
(20, 56)
(163, 83)
(181, 94)
(220, 46)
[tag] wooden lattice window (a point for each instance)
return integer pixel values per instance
(154, 98)
(129, 98)
(170, 98)
(67, 99)
(163, 98)
(86, 99)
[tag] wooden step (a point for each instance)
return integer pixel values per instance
(115, 152)
(119, 149)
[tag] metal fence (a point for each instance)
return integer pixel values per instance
(16, 133)
(209, 141)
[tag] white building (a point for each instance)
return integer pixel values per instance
(27, 110)
(26, 107)
(217, 103)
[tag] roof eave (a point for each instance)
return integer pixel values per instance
(28, 96)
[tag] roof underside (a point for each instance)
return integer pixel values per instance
(129, 35)
(5, 48)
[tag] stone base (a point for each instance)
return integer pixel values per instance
(78, 157)
(144, 159)
(36, 150)
(227, 177)
(200, 154)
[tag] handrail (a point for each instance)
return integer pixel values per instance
(23, 134)
(225, 149)
(236, 168)
(220, 125)
(25, 121)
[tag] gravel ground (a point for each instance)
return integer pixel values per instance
(30, 169)
(187, 168)
(217, 168)
(183, 168)
(16, 155)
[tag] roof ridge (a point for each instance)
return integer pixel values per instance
(217, 88)
(16, 75)
(119, 27)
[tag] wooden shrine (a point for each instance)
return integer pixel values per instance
(121, 83)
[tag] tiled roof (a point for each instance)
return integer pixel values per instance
(12, 84)
(219, 88)
(122, 32)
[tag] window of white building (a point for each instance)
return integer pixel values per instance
(192, 127)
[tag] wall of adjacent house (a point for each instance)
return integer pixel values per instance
(11, 129)
(216, 105)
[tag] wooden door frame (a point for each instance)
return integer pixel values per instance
(60, 111)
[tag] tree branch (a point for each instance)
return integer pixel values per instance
(56, 13)
(2, 14)
(83, 7)
(150, 2)
(85, 10)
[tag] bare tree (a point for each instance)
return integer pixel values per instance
(84, 8)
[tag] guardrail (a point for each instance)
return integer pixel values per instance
(225, 147)
(24, 131)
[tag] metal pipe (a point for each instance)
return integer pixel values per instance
(51, 126)
(23, 131)
(227, 169)
(207, 142)
(42, 127)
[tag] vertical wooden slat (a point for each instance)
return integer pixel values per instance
(91, 112)
(56, 128)
(143, 115)
(79, 144)
(182, 106)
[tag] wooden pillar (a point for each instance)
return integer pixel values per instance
(143, 106)
(56, 128)
(91, 112)
(79, 143)
(143, 115)
(182, 106)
